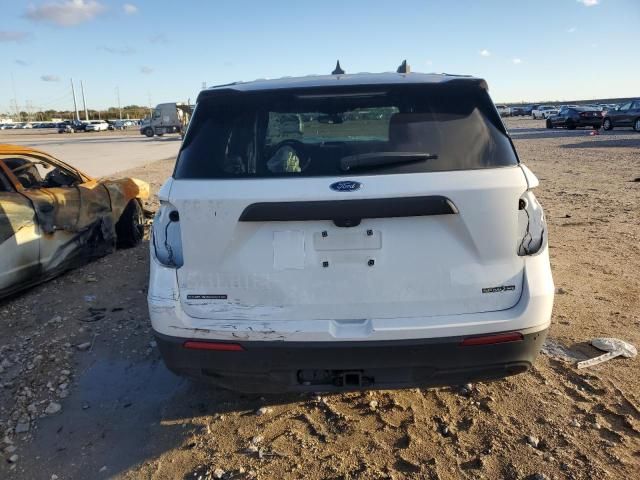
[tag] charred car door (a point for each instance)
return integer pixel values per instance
(19, 237)
(73, 213)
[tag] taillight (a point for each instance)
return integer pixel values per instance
(492, 339)
(166, 236)
(531, 224)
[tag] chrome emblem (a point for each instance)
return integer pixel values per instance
(345, 186)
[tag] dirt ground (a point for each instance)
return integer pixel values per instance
(84, 394)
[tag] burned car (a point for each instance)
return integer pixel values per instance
(54, 217)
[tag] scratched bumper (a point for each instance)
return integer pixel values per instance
(275, 367)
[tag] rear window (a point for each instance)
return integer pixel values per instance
(326, 132)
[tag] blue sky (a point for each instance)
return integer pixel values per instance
(158, 50)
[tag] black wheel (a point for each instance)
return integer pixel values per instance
(130, 226)
(148, 132)
(571, 125)
(606, 124)
(636, 125)
(549, 124)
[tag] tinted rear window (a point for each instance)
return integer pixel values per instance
(302, 133)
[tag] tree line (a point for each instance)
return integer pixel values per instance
(111, 113)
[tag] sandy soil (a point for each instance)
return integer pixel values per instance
(124, 416)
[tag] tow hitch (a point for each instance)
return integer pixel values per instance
(336, 378)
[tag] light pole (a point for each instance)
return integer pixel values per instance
(75, 105)
(119, 107)
(84, 103)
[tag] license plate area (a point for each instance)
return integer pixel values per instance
(330, 240)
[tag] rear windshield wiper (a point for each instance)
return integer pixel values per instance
(378, 159)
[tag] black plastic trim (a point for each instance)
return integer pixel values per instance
(277, 366)
(340, 210)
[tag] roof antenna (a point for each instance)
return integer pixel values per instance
(404, 68)
(338, 70)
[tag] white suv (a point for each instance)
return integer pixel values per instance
(349, 231)
(543, 112)
(97, 126)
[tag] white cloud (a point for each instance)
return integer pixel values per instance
(485, 53)
(130, 9)
(429, 62)
(50, 78)
(159, 38)
(65, 13)
(588, 3)
(146, 70)
(572, 29)
(517, 61)
(118, 50)
(13, 36)
(22, 63)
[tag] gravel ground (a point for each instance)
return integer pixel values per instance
(83, 393)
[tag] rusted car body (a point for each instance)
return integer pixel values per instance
(54, 217)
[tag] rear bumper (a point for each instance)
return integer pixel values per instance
(274, 367)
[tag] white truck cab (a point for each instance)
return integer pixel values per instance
(167, 118)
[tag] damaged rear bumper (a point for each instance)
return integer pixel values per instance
(274, 367)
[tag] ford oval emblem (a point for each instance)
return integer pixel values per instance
(345, 186)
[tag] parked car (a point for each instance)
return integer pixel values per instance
(97, 126)
(353, 253)
(120, 124)
(71, 126)
(626, 115)
(528, 110)
(573, 117)
(503, 110)
(54, 217)
(519, 111)
(543, 111)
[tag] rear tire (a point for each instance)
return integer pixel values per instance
(606, 124)
(549, 124)
(148, 132)
(130, 226)
(636, 125)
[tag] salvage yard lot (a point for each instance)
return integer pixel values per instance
(83, 343)
(97, 153)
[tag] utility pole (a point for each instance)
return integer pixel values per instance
(84, 103)
(15, 97)
(75, 105)
(150, 111)
(119, 107)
